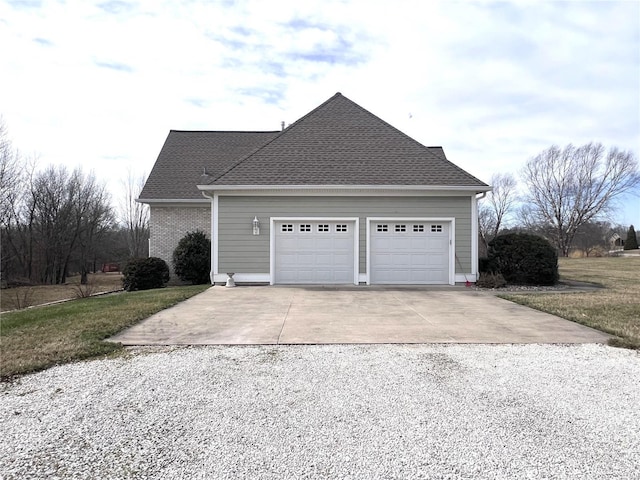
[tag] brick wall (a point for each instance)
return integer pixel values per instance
(169, 224)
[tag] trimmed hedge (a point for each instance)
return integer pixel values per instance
(145, 274)
(192, 258)
(523, 259)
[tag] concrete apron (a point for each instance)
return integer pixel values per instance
(316, 315)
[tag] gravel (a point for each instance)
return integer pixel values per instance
(341, 411)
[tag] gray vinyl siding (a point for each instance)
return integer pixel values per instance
(242, 252)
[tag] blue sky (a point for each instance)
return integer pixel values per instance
(100, 84)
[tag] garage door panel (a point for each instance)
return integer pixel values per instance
(309, 252)
(343, 259)
(381, 243)
(323, 258)
(402, 243)
(288, 259)
(410, 253)
(437, 243)
(324, 243)
(419, 276)
(343, 241)
(400, 260)
(419, 243)
(418, 259)
(287, 242)
(304, 242)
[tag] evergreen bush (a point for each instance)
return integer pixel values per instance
(524, 259)
(192, 258)
(486, 265)
(145, 273)
(631, 243)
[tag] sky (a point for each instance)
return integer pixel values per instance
(100, 84)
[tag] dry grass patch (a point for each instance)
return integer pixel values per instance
(39, 338)
(22, 297)
(615, 309)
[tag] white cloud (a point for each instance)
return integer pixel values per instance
(100, 84)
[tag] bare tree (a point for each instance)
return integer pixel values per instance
(49, 219)
(12, 179)
(592, 237)
(497, 206)
(571, 186)
(135, 216)
(56, 223)
(93, 217)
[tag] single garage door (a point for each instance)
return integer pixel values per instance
(409, 252)
(308, 252)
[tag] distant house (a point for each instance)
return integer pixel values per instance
(616, 242)
(338, 197)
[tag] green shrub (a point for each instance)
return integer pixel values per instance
(192, 258)
(631, 243)
(145, 273)
(486, 265)
(524, 259)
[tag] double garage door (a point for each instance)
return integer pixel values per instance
(325, 252)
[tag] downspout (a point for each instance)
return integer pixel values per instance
(213, 241)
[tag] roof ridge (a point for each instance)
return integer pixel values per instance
(223, 131)
(288, 129)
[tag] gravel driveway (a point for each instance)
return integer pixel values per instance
(374, 411)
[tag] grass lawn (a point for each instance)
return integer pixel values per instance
(21, 297)
(614, 309)
(38, 338)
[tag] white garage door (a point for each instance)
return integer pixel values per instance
(319, 252)
(409, 252)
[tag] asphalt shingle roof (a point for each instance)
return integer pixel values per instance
(341, 143)
(185, 155)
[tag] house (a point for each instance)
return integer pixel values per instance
(338, 197)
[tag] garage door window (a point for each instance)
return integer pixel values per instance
(382, 228)
(305, 228)
(341, 228)
(436, 228)
(323, 228)
(287, 228)
(401, 228)
(418, 228)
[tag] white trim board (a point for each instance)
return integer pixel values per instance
(266, 278)
(215, 244)
(166, 202)
(347, 192)
(464, 188)
(242, 277)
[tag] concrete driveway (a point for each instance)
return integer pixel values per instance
(317, 315)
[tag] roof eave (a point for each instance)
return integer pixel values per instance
(466, 188)
(172, 200)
